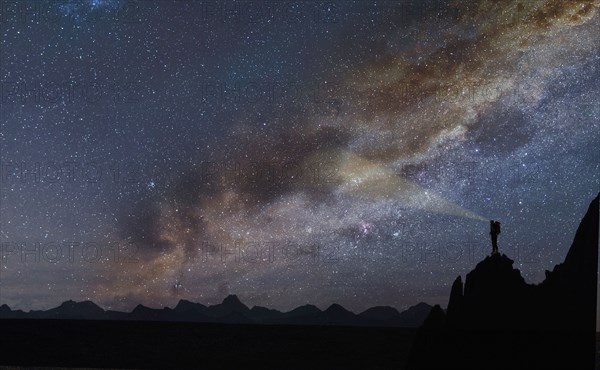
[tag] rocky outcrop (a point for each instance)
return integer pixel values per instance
(500, 321)
(455, 304)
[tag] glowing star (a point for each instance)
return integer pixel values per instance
(365, 228)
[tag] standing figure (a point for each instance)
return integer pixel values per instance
(494, 231)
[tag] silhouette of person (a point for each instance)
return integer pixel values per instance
(494, 231)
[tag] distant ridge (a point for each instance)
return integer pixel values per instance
(233, 311)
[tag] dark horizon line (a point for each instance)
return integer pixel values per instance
(235, 296)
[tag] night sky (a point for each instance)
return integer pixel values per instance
(290, 152)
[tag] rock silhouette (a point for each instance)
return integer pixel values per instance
(498, 321)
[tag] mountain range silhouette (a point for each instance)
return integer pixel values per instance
(233, 311)
(495, 320)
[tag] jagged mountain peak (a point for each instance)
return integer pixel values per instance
(307, 309)
(83, 305)
(336, 308)
(232, 301)
(380, 313)
(140, 307)
(185, 305)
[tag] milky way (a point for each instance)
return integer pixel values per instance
(346, 152)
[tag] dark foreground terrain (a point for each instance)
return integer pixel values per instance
(141, 344)
(138, 344)
(496, 320)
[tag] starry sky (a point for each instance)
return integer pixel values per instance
(289, 152)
